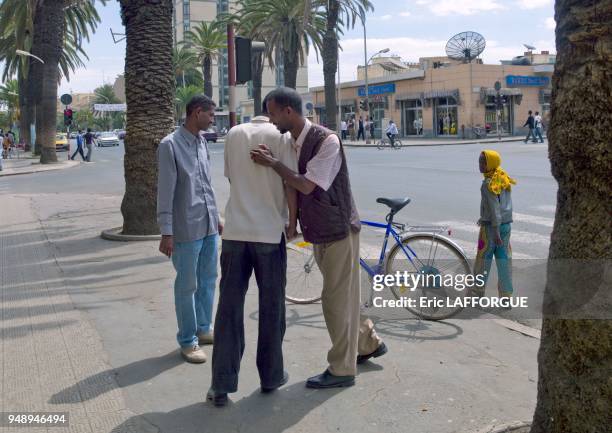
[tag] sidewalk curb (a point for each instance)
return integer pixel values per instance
(450, 143)
(513, 427)
(114, 234)
(41, 168)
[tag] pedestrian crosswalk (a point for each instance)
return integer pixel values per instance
(530, 237)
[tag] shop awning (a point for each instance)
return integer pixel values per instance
(408, 96)
(506, 91)
(443, 94)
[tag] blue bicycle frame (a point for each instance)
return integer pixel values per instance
(378, 269)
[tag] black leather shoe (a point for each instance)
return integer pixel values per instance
(217, 398)
(382, 349)
(285, 379)
(328, 380)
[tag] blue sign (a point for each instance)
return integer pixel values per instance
(526, 81)
(378, 89)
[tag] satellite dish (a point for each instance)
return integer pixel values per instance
(529, 47)
(465, 46)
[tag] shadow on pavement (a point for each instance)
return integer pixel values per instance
(255, 413)
(108, 380)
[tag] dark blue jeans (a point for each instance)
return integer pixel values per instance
(80, 151)
(238, 261)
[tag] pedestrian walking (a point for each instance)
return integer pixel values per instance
(343, 129)
(189, 223)
(1, 147)
(79, 143)
(4, 145)
(329, 220)
(361, 130)
(89, 142)
(495, 223)
(531, 124)
(539, 126)
(351, 128)
(254, 240)
(372, 127)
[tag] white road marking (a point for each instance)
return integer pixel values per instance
(533, 219)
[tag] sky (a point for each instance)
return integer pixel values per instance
(409, 28)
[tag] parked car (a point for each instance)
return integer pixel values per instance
(61, 141)
(73, 134)
(210, 135)
(108, 139)
(121, 135)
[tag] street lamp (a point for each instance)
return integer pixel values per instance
(25, 53)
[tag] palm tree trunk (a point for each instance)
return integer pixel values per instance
(291, 62)
(207, 71)
(34, 83)
(52, 29)
(257, 74)
(149, 88)
(330, 63)
(575, 357)
(26, 112)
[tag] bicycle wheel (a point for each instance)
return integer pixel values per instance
(304, 279)
(398, 144)
(381, 144)
(435, 276)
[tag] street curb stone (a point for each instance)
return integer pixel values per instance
(114, 234)
(513, 427)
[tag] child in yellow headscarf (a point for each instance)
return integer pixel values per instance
(495, 222)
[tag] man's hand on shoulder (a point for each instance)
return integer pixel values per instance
(166, 245)
(263, 156)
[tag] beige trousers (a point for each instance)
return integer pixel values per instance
(350, 332)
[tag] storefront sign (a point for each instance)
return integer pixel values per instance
(378, 89)
(527, 81)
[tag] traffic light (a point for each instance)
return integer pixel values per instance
(363, 105)
(499, 102)
(243, 60)
(68, 116)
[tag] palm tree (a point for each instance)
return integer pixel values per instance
(149, 91)
(105, 94)
(9, 96)
(26, 25)
(185, 62)
(288, 27)
(340, 13)
(575, 357)
(183, 96)
(207, 39)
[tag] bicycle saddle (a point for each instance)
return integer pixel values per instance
(396, 204)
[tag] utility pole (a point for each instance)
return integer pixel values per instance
(498, 108)
(231, 72)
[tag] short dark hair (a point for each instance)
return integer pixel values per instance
(200, 101)
(537, 112)
(530, 111)
(285, 97)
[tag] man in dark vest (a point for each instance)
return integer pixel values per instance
(329, 220)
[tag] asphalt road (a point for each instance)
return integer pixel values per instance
(443, 183)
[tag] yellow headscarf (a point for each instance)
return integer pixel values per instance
(499, 178)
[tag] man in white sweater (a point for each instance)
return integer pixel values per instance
(260, 213)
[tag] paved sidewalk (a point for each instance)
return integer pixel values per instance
(88, 327)
(436, 141)
(27, 164)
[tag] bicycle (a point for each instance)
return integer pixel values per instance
(385, 142)
(417, 250)
(479, 132)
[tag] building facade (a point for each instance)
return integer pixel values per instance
(450, 101)
(187, 15)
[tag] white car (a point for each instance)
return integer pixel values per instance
(108, 139)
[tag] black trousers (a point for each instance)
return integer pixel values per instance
(361, 133)
(238, 261)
